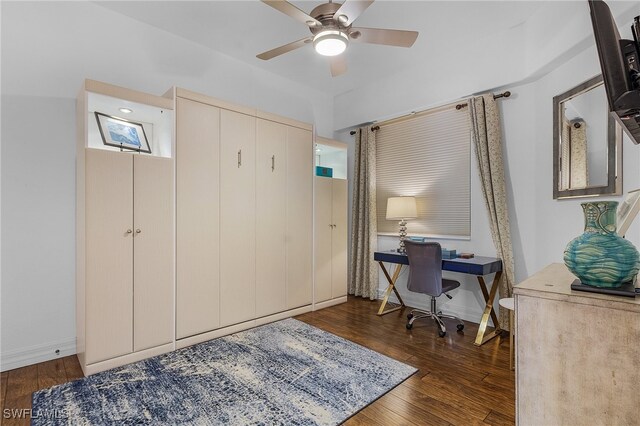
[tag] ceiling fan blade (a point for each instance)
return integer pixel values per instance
(289, 9)
(269, 54)
(338, 65)
(351, 9)
(398, 38)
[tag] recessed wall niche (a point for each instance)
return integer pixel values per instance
(157, 122)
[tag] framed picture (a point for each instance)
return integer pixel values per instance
(122, 133)
(627, 211)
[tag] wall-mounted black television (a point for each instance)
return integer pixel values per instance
(620, 69)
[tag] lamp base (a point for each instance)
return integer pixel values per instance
(403, 235)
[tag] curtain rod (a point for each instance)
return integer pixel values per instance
(498, 96)
(458, 106)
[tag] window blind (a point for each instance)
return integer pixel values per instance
(428, 157)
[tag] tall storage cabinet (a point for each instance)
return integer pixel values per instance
(330, 239)
(109, 236)
(299, 235)
(125, 234)
(284, 212)
(330, 224)
(271, 209)
(153, 251)
(209, 234)
(237, 217)
(197, 217)
(246, 257)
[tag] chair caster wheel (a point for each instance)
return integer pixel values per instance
(441, 333)
(409, 326)
(409, 316)
(460, 327)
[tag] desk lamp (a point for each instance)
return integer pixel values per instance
(402, 208)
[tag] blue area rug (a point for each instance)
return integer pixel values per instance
(284, 373)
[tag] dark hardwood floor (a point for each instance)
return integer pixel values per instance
(457, 382)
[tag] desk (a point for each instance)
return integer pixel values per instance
(478, 266)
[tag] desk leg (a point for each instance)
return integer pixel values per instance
(489, 297)
(391, 287)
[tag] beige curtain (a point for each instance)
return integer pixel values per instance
(565, 153)
(575, 167)
(363, 271)
(488, 146)
(579, 163)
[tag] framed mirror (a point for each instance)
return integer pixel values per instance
(587, 143)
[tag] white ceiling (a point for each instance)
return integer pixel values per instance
(242, 29)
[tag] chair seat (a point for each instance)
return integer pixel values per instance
(448, 285)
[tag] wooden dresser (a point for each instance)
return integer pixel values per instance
(577, 353)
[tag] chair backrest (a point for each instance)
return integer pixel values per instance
(425, 267)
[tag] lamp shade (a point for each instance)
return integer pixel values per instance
(399, 208)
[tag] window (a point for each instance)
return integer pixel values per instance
(427, 156)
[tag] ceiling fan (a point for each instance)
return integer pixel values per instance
(330, 26)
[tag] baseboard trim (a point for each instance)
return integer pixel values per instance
(328, 303)
(17, 358)
(126, 359)
(283, 315)
(225, 331)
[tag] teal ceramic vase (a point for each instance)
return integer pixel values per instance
(600, 257)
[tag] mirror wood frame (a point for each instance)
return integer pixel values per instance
(614, 149)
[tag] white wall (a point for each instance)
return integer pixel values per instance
(48, 49)
(556, 222)
(540, 226)
(38, 228)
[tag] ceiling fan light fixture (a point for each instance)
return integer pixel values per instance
(330, 42)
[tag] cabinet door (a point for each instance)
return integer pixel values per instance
(299, 238)
(339, 238)
(323, 231)
(271, 211)
(237, 217)
(153, 247)
(197, 218)
(109, 254)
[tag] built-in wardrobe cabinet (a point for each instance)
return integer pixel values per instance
(125, 234)
(244, 216)
(330, 239)
(284, 217)
(197, 217)
(330, 224)
(209, 234)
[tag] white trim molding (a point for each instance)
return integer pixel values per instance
(330, 302)
(38, 353)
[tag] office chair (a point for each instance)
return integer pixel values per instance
(425, 276)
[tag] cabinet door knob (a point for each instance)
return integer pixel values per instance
(138, 231)
(239, 158)
(129, 231)
(273, 162)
